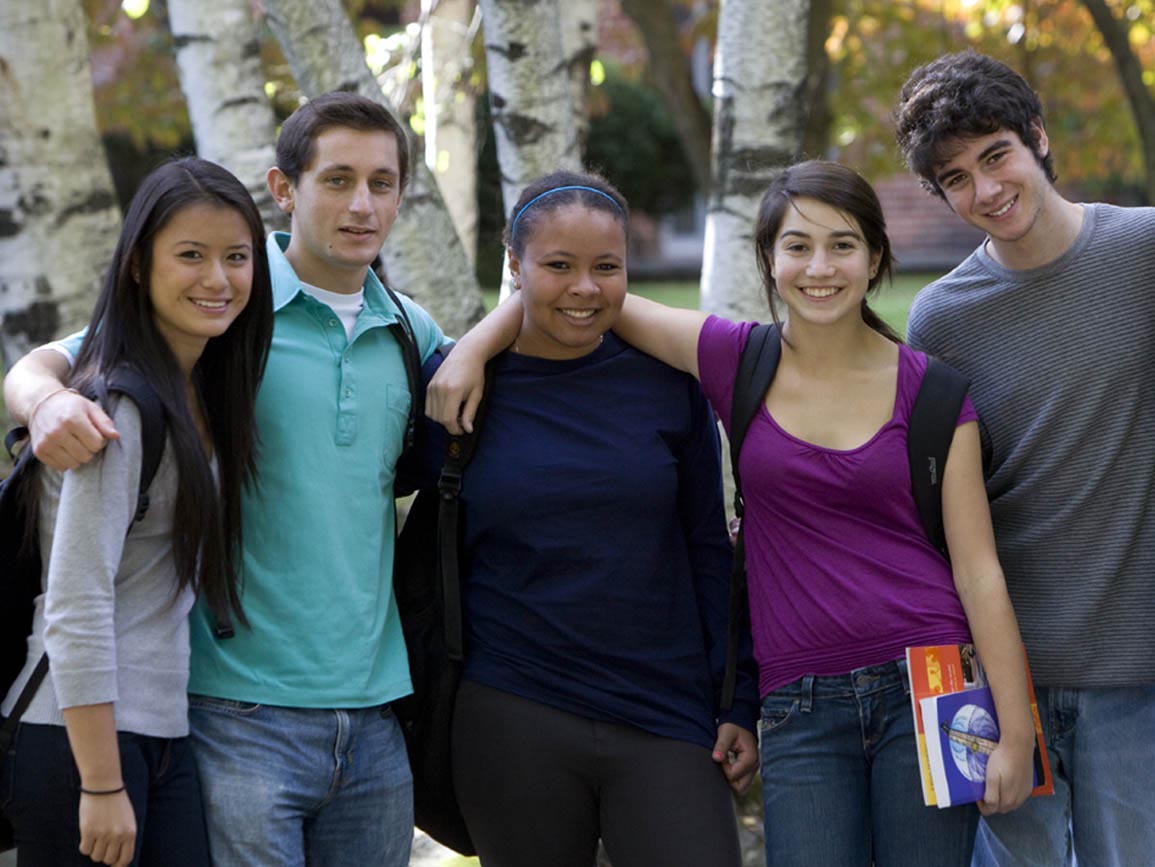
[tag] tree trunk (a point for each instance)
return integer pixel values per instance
(218, 59)
(579, 45)
(450, 124)
(59, 218)
(759, 111)
(1139, 96)
(423, 256)
(529, 92)
(669, 71)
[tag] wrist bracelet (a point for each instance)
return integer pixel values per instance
(39, 403)
(85, 791)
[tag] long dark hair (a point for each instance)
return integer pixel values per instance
(206, 524)
(839, 187)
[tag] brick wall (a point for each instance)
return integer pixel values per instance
(924, 233)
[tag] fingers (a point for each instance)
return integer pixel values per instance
(68, 430)
(107, 829)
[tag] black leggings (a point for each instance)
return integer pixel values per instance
(539, 786)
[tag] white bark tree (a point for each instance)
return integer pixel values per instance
(760, 72)
(529, 92)
(218, 59)
(450, 103)
(58, 212)
(423, 256)
(579, 44)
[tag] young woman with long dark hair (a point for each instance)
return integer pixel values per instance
(100, 768)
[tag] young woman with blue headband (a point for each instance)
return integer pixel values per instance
(596, 578)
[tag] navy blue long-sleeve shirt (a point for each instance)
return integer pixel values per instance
(596, 558)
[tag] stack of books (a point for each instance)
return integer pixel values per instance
(957, 726)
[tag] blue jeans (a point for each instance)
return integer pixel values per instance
(41, 795)
(840, 778)
(1101, 745)
(289, 786)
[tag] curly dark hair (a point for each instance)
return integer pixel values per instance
(960, 96)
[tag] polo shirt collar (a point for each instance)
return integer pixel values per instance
(287, 286)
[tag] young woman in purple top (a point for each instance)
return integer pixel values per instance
(842, 577)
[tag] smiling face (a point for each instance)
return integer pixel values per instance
(572, 274)
(342, 206)
(996, 183)
(200, 277)
(820, 263)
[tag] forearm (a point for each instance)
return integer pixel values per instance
(31, 379)
(1000, 649)
(497, 331)
(669, 334)
(92, 736)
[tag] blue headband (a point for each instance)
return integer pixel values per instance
(526, 206)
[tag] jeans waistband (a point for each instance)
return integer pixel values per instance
(860, 681)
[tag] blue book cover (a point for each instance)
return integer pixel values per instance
(962, 731)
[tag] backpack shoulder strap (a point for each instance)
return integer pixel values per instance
(933, 419)
(406, 337)
(458, 454)
(756, 368)
(131, 383)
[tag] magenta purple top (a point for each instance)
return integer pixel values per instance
(841, 574)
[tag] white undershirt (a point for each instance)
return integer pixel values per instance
(346, 306)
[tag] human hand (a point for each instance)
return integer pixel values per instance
(67, 429)
(736, 750)
(1010, 776)
(107, 828)
(455, 391)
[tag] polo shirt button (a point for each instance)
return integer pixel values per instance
(333, 323)
(348, 392)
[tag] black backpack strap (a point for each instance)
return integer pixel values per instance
(458, 454)
(406, 337)
(129, 382)
(933, 420)
(756, 368)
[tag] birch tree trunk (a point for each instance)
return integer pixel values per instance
(529, 92)
(58, 213)
(423, 256)
(218, 59)
(450, 123)
(579, 45)
(759, 113)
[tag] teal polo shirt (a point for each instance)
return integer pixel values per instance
(319, 526)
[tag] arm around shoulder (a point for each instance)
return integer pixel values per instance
(67, 429)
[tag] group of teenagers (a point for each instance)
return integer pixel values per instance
(596, 557)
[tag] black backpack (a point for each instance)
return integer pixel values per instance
(932, 425)
(427, 588)
(20, 545)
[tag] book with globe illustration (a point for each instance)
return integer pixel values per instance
(946, 679)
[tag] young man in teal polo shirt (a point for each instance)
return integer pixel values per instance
(301, 758)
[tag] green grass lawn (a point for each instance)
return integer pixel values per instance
(891, 303)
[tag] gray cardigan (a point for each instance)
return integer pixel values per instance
(114, 626)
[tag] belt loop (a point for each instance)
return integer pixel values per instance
(807, 696)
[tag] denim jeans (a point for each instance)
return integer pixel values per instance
(41, 795)
(289, 786)
(840, 778)
(1101, 745)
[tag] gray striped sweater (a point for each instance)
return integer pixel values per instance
(1062, 366)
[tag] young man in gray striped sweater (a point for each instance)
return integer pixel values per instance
(1053, 319)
